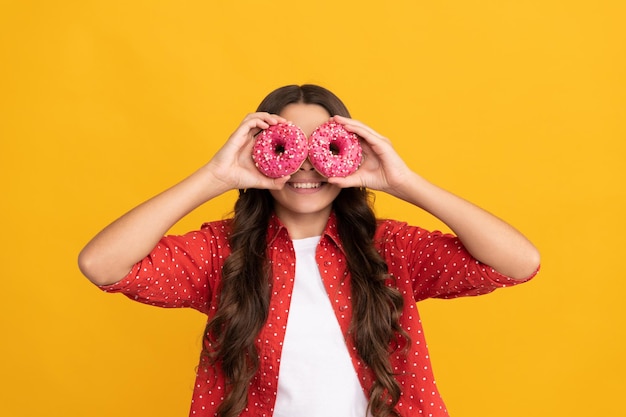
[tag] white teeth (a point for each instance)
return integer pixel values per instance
(306, 184)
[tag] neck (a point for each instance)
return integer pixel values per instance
(301, 226)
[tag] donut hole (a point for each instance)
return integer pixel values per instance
(279, 149)
(334, 148)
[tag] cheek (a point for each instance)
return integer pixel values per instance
(334, 189)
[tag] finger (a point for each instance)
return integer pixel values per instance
(346, 182)
(268, 117)
(274, 183)
(253, 125)
(360, 128)
(353, 123)
(261, 121)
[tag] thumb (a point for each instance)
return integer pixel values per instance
(277, 183)
(346, 182)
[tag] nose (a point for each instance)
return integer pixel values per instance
(306, 165)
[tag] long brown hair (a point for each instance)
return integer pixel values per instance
(243, 309)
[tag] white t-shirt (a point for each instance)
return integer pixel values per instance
(316, 376)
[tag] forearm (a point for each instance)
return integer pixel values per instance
(488, 238)
(110, 255)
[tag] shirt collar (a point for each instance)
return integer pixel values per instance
(276, 228)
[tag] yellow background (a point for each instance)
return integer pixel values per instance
(518, 106)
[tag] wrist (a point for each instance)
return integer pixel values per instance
(210, 183)
(410, 188)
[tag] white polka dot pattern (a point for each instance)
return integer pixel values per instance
(184, 271)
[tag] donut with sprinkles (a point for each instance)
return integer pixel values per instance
(280, 150)
(333, 151)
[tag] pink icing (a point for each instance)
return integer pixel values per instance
(280, 150)
(333, 151)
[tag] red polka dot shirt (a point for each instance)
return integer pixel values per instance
(184, 271)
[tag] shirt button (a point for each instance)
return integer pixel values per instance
(343, 308)
(327, 263)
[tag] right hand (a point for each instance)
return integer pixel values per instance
(109, 256)
(233, 164)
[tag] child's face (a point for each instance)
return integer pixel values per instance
(307, 194)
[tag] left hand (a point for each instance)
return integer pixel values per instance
(382, 168)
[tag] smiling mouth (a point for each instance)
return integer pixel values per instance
(305, 185)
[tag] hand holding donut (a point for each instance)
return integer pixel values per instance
(382, 168)
(232, 163)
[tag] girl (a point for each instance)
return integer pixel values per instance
(311, 301)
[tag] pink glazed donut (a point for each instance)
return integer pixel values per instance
(333, 151)
(280, 150)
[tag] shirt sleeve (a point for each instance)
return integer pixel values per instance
(437, 264)
(181, 271)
